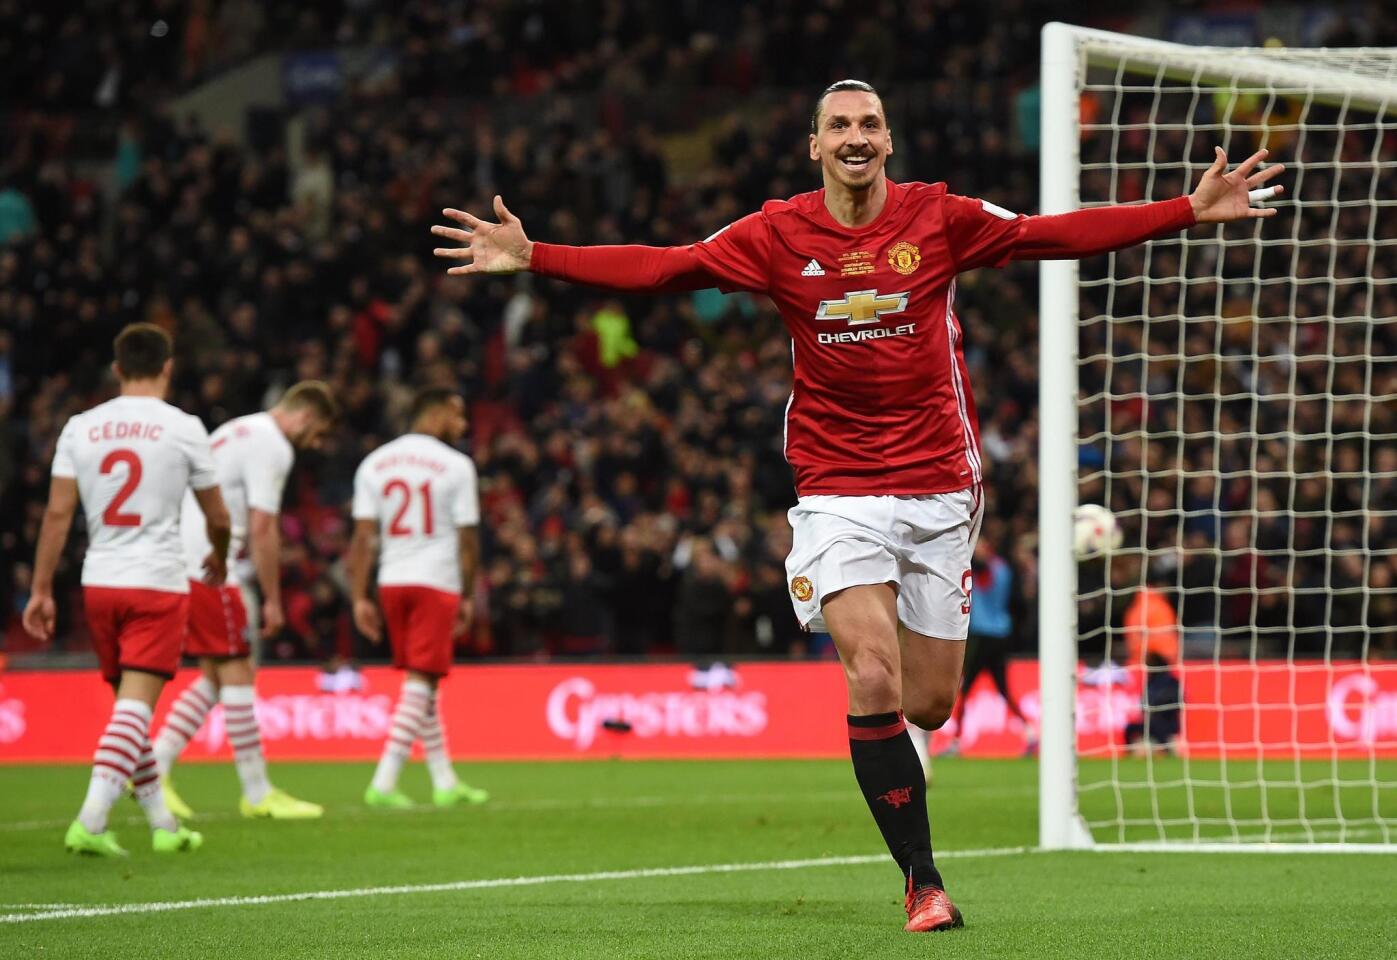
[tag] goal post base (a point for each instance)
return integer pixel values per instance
(1248, 846)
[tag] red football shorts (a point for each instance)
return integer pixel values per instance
(135, 629)
(420, 621)
(217, 621)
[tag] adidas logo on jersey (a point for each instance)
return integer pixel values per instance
(813, 269)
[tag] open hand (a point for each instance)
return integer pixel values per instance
(1222, 197)
(489, 247)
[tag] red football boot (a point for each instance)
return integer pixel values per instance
(929, 909)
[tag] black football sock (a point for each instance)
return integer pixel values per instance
(891, 778)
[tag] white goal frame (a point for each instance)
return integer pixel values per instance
(1067, 51)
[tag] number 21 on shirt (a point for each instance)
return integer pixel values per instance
(397, 527)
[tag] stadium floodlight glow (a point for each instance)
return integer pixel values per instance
(1228, 395)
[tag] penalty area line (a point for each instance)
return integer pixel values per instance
(121, 909)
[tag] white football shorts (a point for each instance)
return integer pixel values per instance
(921, 544)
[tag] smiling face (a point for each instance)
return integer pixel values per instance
(851, 139)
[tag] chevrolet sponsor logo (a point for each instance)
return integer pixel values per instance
(862, 307)
(859, 336)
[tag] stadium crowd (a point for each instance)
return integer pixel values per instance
(633, 486)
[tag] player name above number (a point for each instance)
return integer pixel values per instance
(124, 430)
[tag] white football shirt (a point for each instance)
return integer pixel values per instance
(252, 458)
(135, 459)
(421, 492)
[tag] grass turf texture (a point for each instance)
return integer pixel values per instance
(578, 818)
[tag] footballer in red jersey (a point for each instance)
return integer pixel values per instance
(880, 427)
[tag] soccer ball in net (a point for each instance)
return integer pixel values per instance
(1094, 531)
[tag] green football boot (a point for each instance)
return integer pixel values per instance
(173, 801)
(176, 841)
(80, 840)
(461, 793)
(394, 799)
(280, 805)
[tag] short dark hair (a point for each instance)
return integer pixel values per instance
(141, 350)
(837, 87)
(315, 395)
(429, 398)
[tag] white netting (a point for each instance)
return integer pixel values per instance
(1237, 410)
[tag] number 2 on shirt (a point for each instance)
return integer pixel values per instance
(112, 516)
(396, 528)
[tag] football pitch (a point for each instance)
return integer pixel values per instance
(648, 859)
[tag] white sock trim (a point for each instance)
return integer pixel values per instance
(242, 695)
(138, 707)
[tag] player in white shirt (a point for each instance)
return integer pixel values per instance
(417, 498)
(253, 456)
(130, 462)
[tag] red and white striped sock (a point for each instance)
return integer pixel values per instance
(145, 781)
(241, 721)
(434, 745)
(118, 754)
(412, 706)
(183, 722)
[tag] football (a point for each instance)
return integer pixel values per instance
(1094, 531)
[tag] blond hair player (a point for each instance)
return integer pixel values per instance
(253, 456)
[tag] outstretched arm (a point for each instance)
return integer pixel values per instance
(1220, 197)
(504, 248)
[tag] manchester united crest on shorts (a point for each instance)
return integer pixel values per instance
(904, 257)
(802, 589)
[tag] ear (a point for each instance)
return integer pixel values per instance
(814, 147)
(116, 371)
(890, 143)
(168, 370)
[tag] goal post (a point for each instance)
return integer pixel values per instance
(1230, 395)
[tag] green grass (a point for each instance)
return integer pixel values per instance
(549, 819)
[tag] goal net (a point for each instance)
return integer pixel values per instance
(1227, 676)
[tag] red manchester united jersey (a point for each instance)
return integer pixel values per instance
(881, 401)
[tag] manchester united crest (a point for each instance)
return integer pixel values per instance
(904, 257)
(802, 589)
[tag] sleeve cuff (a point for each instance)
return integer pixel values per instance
(547, 259)
(1182, 212)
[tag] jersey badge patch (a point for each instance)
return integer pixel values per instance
(802, 589)
(904, 257)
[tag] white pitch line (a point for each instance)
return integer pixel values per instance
(490, 884)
